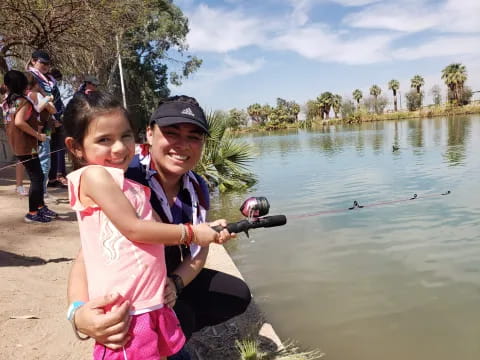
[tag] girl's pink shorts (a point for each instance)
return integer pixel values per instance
(154, 334)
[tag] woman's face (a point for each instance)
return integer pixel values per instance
(175, 149)
(41, 66)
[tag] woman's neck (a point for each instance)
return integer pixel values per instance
(171, 184)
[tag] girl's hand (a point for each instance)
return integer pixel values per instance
(170, 293)
(204, 234)
(109, 329)
(224, 235)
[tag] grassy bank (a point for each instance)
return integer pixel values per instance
(425, 112)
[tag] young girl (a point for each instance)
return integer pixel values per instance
(45, 108)
(122, 246)
(22, 131)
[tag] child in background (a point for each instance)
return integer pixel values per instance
(123, 246)
(21, 121)
(45, 108)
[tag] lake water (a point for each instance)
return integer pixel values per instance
(395, 281)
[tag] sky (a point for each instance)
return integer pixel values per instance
(256, 51)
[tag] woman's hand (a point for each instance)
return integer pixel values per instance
(41, 137)
(170, 293)
(109, 329)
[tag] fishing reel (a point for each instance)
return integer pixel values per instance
(254, 209)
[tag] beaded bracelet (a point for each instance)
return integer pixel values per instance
(184, 234)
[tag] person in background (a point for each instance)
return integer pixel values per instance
(22, 132)
(200, 297)
(39, 65)
(90, 83)
(60, 138)
(19, 168)
(44, 107)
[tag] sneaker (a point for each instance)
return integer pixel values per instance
(21, 191)
(46, 212)
(36, 219)
(56, 184)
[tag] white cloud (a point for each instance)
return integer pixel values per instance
(320, 43)
(449, 46)
(413, 16)
(221, 31)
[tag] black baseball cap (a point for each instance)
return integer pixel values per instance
(177, 112)
(92, 80)
(41, 55)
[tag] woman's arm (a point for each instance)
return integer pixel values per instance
(90, 319)
(21, 117)
(98, 187)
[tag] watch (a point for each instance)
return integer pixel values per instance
(178, 281)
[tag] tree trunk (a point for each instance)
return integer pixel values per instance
(395, 102)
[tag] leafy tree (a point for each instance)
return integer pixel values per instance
(436, 93)
(357, 95)
(81, 36)
(265, 112)
(394, 85)
(224, 163)
(455, 76)
(255, 112)
(348, 108)
(237, 119)
(314, 110)
(414, 100)
(375, 104)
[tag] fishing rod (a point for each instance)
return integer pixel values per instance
(254, 209)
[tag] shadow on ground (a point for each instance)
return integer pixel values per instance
(11, 259)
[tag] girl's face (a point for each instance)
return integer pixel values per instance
(175, 149)
(109, 141)
(41, 66)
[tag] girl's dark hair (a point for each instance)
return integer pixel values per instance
(83, 108)
(16, 83)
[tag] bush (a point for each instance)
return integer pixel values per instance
(414, 100)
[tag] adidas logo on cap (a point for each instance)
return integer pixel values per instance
(188, 111)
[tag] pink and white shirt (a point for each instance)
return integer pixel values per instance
(113, 262)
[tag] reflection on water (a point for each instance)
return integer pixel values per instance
(394, 282)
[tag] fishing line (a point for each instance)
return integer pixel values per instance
(24, 161)
(356, 205)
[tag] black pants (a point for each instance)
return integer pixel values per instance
(57, 157)
(34, 171)
(211, 298)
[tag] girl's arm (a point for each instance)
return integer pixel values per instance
(21, 117)
(90, 319)
(98, 187)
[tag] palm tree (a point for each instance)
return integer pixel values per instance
(394, 85)
(375, 91)
(224, 160)
(417, 82)
(336, 104)
(455, 76)
(326, 101)
(357, 95)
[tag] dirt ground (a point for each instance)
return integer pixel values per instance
(34, 266)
